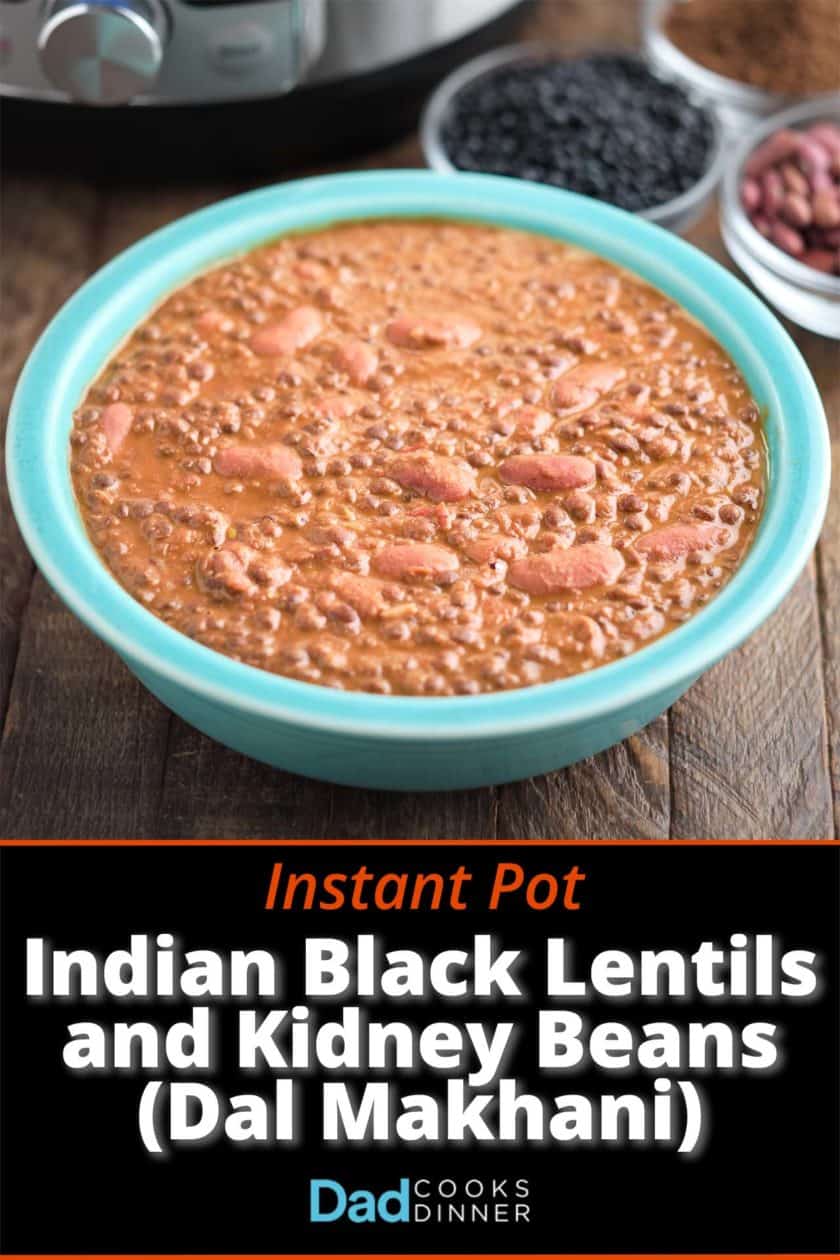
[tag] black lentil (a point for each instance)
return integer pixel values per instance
(602, 125)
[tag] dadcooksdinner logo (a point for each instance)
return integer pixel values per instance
(500, 1200)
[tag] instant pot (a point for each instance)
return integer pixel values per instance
(129, 86)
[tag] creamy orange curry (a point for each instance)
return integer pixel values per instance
(420, 458)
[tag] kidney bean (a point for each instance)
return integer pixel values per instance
(820, 259)
(423, 332)
(827, 134)
(781, 145)
(274, 462)
(751, 194)
(440, 479)
(405, 561)
(820, 180)
(813, 156)
(583, 386)
(571, 568)
(295, 331)
(788, 239)
(772, 192)
(116, 420)
(793, 179)
(675, 541)
(826, 208)
(357, 359)
(548, 472)
(797, 210)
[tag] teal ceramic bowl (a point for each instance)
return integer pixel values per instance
(389, 741)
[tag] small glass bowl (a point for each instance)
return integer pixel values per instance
(677, 215)
(738, 105)
(808, 297)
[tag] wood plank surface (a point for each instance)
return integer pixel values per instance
(749, 742)
(752, 750)
(50, 246)
(824, 359)
(75, 718)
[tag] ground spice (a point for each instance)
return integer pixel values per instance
(786, 46)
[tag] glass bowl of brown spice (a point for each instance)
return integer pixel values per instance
(749, 58)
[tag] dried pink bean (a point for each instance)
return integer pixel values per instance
(821, 181)
(762, 224)
(826, 208)
(827, 134)
(820, 260)
(772, 192)
(781, 145)
(788, 239)
(813, 156)
(751, 195)
(797, 210)
(793, 179)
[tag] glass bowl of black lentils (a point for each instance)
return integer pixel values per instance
(600, 123)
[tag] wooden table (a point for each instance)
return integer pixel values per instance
(752, 750)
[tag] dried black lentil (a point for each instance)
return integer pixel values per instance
(602, 125)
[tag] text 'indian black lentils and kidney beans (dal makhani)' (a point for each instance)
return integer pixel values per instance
(420, 458)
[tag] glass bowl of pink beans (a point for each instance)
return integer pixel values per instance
(780, 212)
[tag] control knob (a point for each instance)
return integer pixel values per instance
(102, 53)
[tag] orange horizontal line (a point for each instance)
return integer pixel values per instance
(410, 1255)
(11, 844)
